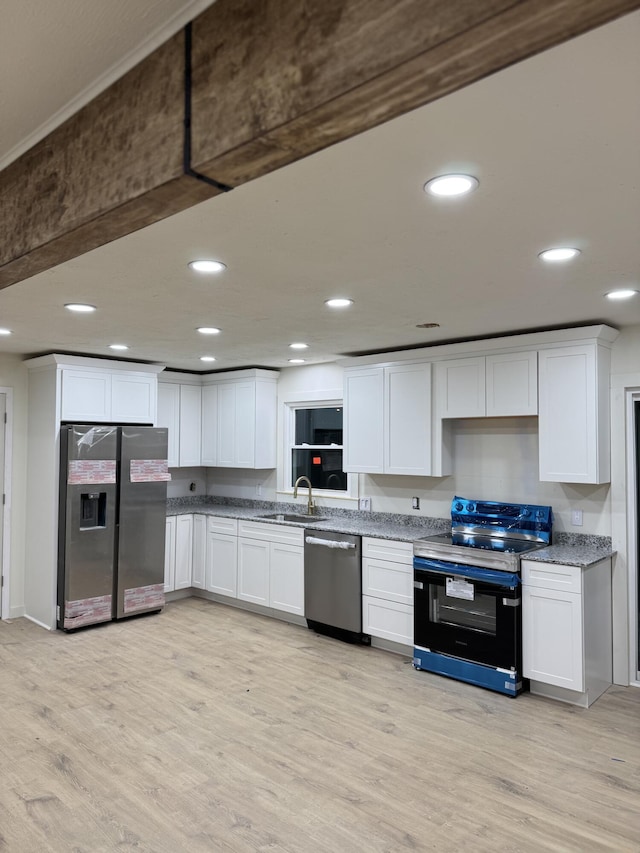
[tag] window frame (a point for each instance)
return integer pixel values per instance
(311, 401)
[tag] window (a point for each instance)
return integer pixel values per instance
(317, 449)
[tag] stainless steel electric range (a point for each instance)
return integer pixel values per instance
(467, 599)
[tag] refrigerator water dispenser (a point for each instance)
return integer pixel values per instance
(93, 510)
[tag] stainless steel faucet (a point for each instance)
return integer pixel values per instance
(311, 507)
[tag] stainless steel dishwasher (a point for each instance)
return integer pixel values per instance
(333, 585)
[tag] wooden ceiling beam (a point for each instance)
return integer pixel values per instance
(271, 82)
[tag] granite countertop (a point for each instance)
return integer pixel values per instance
(574, 549)
(404, 528)
(569, 549)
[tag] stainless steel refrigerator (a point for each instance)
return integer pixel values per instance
(112, 512)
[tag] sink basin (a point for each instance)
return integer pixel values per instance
(292, 516)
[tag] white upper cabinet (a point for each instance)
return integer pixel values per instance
(179, 410)
(499, 385)
(407, 419)
(387, 419)
(245, 408)
(209, 447)
(363, 420)
(169, 417)
(190, 426)
(460, 388)
(109, 395)
(512, 384)
(574, 414)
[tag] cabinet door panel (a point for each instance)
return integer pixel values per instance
(133, 399)
(407, 407)
(169, 417)
(222, 564)
(227, 425)
(286, 582)
(383, 579)
(199, 549)
(567, 422)
(364, 420)
(184, 551)
(253, 571)
(86, 395)
(210, 425)
(512, 384)
(552, 648)
(170, 554)
(190, 425)
(461, 388)
(245, 425)
(387, 620)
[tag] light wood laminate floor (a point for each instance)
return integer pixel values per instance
(206, 728)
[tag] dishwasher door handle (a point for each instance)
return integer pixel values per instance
(330, 543)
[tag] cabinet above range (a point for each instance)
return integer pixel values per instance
(225, 420)
(399, 414)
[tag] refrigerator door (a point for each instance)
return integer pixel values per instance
(142, 517)
(87, 525)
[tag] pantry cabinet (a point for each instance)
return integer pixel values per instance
(387, 589)
(566, 630)
(387, 419)
(574, 429)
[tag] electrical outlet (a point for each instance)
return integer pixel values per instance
(258, 490)
(192, 487)
(576, 517)
(364, 504)
(415, 502)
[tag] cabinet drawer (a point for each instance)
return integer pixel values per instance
(388, 549)
(384, 579)
(552, 576)
(387, 620)
(271, 532)
(217, 524)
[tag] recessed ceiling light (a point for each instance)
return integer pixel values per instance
(118, 346)
(207, 266)
(562, 253)
(207, 358)
(80, 307)
(451, 185)
(5, 331)
(208, 330)
(296, 361)
(339, 303)
(299, 346)
(623, 293)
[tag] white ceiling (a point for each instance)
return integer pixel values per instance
(555, 143)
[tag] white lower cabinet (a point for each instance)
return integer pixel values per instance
(566, 630)
(170, 554)
(178, 552)
(199, 551)
(387, 589)
(271, 566)
(222, 556)
(184, 551)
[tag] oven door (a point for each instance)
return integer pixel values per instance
(467, 612)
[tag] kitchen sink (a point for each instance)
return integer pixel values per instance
(292, 516)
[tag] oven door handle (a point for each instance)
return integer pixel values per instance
(442, 568)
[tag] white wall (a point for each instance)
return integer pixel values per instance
(13, 375)
(181, 480)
